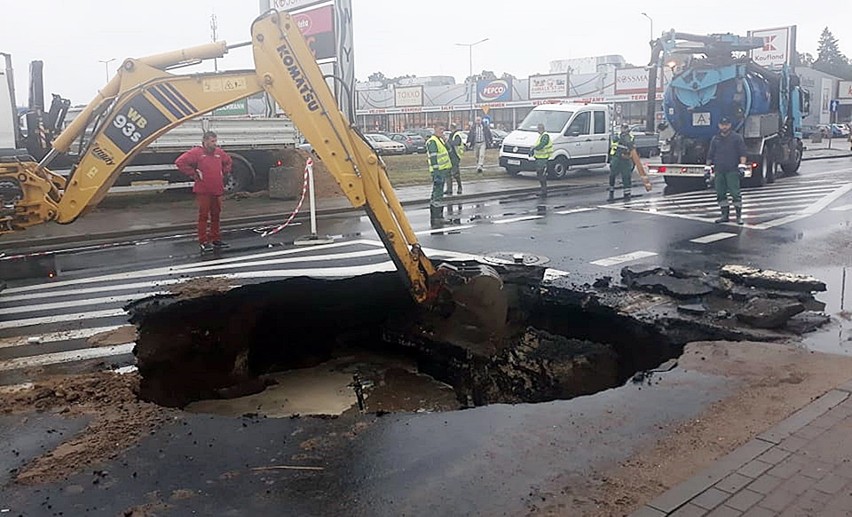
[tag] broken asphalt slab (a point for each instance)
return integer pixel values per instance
(769, 313)
(768, 279)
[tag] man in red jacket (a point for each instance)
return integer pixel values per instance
(207, 165)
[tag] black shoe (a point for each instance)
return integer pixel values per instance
(726, 215)
(739, 215)
(479, 170)
(459, 191)
(206, 247)
(220, 244)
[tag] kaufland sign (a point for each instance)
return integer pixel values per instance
(779, 47)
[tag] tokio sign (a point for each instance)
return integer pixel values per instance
(552, 86)
(408, 96)
(498, 90)
(779, 47)
(634, 80)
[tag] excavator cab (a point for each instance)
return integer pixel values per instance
(144, 100)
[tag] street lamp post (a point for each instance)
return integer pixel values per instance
(652, 25)
(470, 74)
(106, 63)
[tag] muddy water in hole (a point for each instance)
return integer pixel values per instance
(326, 389)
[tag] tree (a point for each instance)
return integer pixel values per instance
(805, 59)
(486, 75)
(509, 77)
(828, 51)
(377, 77)
(830, 59)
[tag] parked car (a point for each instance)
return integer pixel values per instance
(833, 131)
(425, 133)
(384, 145)
(497, 136)
(413, 143)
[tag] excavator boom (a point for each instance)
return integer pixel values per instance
(143, 101)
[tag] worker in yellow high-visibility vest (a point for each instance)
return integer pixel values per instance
(439, 167)
(541, 151)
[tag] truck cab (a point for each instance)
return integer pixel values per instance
(579, 132)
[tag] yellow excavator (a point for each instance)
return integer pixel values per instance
(144, 100)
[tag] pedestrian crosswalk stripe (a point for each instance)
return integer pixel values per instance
(713, 237)
(106, 300)
(53, 337)
(59, 318)
(842, 208)
(763, 208)
(70, 356)
(620, 259)
(518, 219)
(576, 211)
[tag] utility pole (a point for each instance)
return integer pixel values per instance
(652, 25)
(470, 75)
(106, 63)
(213, 27)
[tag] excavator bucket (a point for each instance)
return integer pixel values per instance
(473, 299)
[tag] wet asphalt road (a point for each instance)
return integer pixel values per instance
(490, 460)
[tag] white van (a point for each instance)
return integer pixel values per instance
(579, 132)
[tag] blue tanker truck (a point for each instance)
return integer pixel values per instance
(717, 79)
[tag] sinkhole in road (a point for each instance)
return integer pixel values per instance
(308, 346)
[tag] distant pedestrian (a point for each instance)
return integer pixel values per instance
(208, 165)
(727, 155)
(621, 162)
(541, 151)
(455, 145)
(479, 139)
(439, 167)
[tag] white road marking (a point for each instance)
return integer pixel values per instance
(710, 201)
(443, 230)
(78, 303)
(713, 237)
(551, 275)
(12, 324)
(178, 269)
(92, 290)
(620, 259)
(54, 337)
(813, 209)
(518, 219)
(576, 211)
(841, 208)
(70, 356)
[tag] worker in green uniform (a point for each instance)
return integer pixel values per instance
(439, 167)
(541, 151)
(620, 162)
(455, 146)
(727, 158)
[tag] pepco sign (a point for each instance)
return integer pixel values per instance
(498, 90)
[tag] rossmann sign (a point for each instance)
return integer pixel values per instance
(498, 90)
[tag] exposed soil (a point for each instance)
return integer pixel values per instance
(118, 417)
(773, 382)
(202, 286)
(119, 336)
(325, 185)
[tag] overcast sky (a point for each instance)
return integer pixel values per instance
(396, 37)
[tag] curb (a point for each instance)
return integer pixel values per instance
(45, 244)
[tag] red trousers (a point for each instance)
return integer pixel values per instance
(209, 208)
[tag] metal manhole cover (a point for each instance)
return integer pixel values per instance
(515, 257)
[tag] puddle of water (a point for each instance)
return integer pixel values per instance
(836, 337)
(309, 391)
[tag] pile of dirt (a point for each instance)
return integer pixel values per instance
(325, 186)
(118, 420)
(119, 336)
(202, 286)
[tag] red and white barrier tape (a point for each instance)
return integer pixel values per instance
(309, 169)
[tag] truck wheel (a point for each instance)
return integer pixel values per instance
(767, 168)
(240, 178)
(558, 168)
(792, 167)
